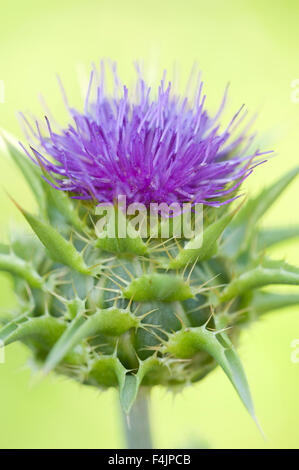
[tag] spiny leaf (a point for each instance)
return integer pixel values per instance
(64, 204)
(256, 207)
(240, 234)
(31, 174)
(64, 344)
(203, 246)
(122, 245)
(45, 329)
(59, 248)
(187, 342)
(264, 302)
(279, 264)
(128, 392)
(130, 388)
(272, 236)
(158, 286)
(11, 325)
(107, 371)
(111, 321)
(130, 242)
(75, 307)
(269, 272)
(24, 269)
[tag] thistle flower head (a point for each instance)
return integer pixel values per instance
(149, 147)
(141, 311)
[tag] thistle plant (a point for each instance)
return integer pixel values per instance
(141, 310)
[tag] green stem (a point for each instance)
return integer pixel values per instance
(137, 423)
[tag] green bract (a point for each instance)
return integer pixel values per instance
(141, 312)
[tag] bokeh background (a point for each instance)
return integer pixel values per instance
(254, 45)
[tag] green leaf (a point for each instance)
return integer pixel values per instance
(45, 329)
(110, 321)
(264, 302)
(158, 286)
(132, 383)
(122, 245)
(203, 246)
(186, 343)
(11, 325)
(32, 175)
(107, 371)
(59, 248)
(128, 392)
(271, 236)
(246, 220)
(64, 204)
(269, 272)
(65, 343)
(256, 207)
(130, 242)
(24, 269)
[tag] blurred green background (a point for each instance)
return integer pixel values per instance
(255, 46)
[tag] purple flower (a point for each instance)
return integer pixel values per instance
(149, 147)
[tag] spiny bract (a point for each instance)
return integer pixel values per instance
(138, 312)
